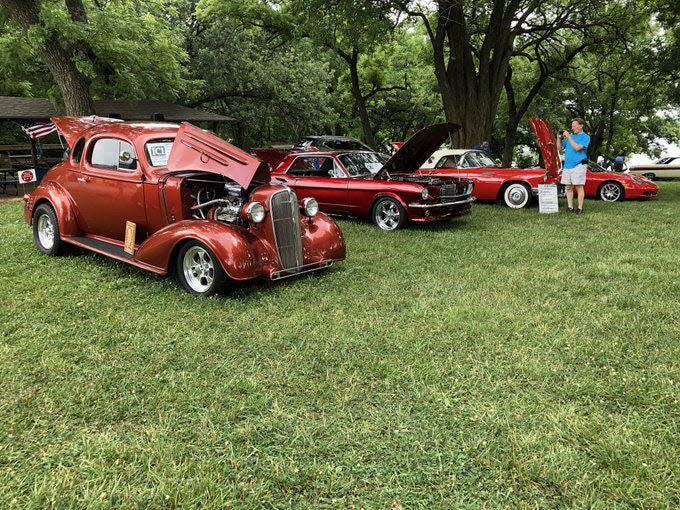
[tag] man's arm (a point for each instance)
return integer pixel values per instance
(574, 145)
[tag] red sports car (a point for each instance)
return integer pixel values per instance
(175, 198)
(367, 184)
(515, 186)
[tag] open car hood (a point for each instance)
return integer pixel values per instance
(197, 149)
(548, 145)
(415, 151)
(72, 127)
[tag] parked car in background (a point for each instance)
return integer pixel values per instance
(515, 186)
(366, 184)
(331, 143)
(664, 168)
(615, 186)
(172, 198)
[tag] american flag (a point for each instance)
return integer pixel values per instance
(39, 131)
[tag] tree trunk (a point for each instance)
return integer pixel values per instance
(359, 99)
(74, 86)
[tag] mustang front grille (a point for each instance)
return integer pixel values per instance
(449, 190)
(285, 213)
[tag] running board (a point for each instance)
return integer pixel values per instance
(112, 250)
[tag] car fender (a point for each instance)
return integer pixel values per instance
(322, 239)
(388, 194)
(60, 200)
(238, 253)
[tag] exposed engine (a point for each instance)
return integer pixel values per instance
(215, 200)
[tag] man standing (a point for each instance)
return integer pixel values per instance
(575, 158)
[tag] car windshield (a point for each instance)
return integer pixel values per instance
(363, 163)
(595, 167)
(479, 159)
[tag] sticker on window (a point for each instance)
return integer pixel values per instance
(159, 152)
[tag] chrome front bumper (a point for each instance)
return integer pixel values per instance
(307, 268)
(416, 205)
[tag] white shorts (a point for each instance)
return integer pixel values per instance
(575, 176)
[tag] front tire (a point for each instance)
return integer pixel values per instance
(517, 195)
(46, 231)
(198, 270)
(388, 214)
(611, 192)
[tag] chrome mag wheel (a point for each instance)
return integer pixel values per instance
(45, 231)
(387, 215)
(610, 192)
(198, 269)
(516, 196)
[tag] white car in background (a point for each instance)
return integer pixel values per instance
(665, 168)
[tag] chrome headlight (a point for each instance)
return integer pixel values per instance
(310, 206)
(426, 193)
(254, 212)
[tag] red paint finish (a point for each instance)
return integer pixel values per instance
(94, 202)
(348, 193)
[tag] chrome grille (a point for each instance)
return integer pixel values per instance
(285, 213)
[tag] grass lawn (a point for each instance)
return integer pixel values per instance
(507, 359)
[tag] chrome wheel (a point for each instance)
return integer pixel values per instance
(198, 269)
(649, 176)
(387, 215)
(45, 231)
(610, 192)
(516, 196)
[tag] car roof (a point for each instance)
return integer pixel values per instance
(135, 129)
(452, 152)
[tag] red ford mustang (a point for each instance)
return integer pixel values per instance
(364, 184)
(170, 198)
(515, 186)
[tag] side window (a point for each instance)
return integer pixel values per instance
(447, 162)
(113, 155)
(313, 167)
(78, 150)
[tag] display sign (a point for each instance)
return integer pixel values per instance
(26, 176)
(547, 198)
(159, 152)
(130, 235)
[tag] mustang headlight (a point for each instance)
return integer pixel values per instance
(254, 212)
(426, 193)
(310, 206)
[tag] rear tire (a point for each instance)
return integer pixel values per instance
(649, 175)
(46, 231)
(517, 195)
(388, 214)
(198, 270)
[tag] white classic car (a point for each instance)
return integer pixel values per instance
(666, 167)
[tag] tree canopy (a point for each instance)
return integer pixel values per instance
(375, 69)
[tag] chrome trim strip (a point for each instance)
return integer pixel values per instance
(443, 204)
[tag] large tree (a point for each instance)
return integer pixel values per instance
(347, 28)
(474, 42)
(58, 54)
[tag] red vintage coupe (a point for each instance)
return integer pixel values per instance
(515, 186)
(174, 198)
(368, 185)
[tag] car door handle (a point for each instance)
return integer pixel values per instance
(83, 179)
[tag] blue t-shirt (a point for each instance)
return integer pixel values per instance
(573, 158)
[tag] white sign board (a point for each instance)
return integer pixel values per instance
(26, 176)
(159, 152)
(547, 198)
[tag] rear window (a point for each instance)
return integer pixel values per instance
(157, 151)
(78, 150)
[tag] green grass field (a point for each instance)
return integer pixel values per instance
(507, 359)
